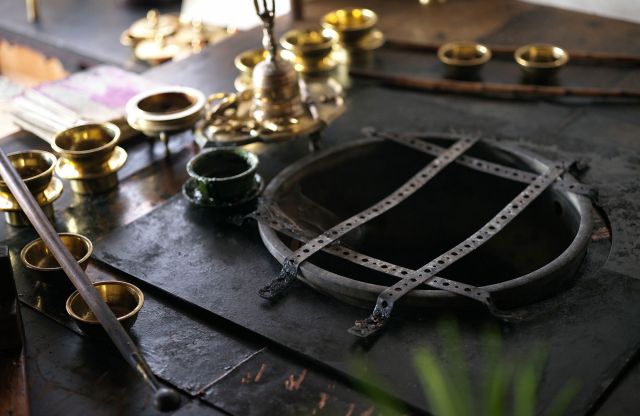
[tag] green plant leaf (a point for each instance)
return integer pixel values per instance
(434, 382)
(562, 401)
(526, 383)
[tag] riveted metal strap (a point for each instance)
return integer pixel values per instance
(290, 266)
(386, 300)
(414, 141)
(285, 226)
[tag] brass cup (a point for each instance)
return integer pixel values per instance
(352, 24)
(540, 61)
(124, 299)
(310, 44)
(88, 146)
(463, 59)
(35, 167)
(224, 175)
(36, 256)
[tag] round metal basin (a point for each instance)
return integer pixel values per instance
(531, 258)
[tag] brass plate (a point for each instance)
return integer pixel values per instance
(67, 170)
(46, 197)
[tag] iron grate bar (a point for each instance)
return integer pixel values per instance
(386, 300)
(286, 227)
(414, 140)
(291, 264)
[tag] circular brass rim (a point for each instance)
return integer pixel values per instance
(135, 290)
(115, 131)
(485, 54)
(370, 22)
(251, 159)
(135, 114)
(25, 250)
(330, 38)
(46, 155)
(561, 56)
(51, 193)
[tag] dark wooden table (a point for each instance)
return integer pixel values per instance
(69, 374)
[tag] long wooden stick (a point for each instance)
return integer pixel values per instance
(165, 399)
(482, 88)
(574, 55)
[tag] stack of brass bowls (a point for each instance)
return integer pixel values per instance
(162, 111)
(311, 51)
(36, 169)
(356, 29)
(89, 157)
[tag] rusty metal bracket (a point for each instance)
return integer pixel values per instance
(291, 264)
(414, 141)
(426, 274)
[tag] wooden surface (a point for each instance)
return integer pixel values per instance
(497, 21)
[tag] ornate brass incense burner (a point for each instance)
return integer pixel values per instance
(36, 169)
(278, 105)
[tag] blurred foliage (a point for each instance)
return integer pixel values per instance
(509, 385)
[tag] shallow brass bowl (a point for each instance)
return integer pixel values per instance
(36, 256)
(35, 167)
(352, 24)
(310, 44)
(88, 146)
(124, 299)
(540, 60)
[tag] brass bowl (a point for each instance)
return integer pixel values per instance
(124, 299)
(311, 44)
(352, 24)
(164, 110)
(463, 59)
(36, 256)
(35, 167)
(247, 60)
(540, 60)
(88, 146)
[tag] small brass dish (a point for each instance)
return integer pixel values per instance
(124, 299)
(36, 256)
(35, 167)
(540, 61)
(90, 158)
(161, 111)
(463, 59)
(352, 24)
(247, 60)
(310, 50)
